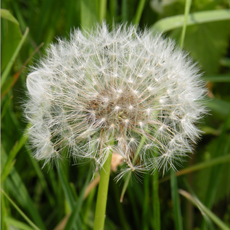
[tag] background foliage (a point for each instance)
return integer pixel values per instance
(43, 198)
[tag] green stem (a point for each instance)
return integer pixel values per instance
(102, 195)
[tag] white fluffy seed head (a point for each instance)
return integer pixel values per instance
(132, 89)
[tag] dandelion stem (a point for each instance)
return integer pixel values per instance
(102, 195)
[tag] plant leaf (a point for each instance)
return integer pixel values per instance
(206, 43)
(5, 14)
(177, 21)
(16, 223)
(217, 78)
(218, 106)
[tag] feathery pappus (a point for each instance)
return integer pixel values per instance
(122, 91)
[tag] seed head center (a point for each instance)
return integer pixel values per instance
(124, 110)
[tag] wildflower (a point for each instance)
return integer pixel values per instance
(125, 92)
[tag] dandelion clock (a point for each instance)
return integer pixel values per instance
(125, 92)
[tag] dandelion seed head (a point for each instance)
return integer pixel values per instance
(135, 90)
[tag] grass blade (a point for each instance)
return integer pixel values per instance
(204, 210)
(186, 13)
(4, 211)
(103, 4)
(9, 163)
(89, 16)
(21, 194)
(134, 206)
(139, 12)
(6, 106)
(126, 182)
(124, 10)
(17, 224)
(146, 205)
(175, 200)
(68, 192)
(41, 178)
(76, 209)
(156, 202)
(8, 16)
(200, 166)
(12, 80)
(20, 211)
(113, 7)
(119, 208)
(177, 21)
(215, 172)
(66, 188)
(11, 62)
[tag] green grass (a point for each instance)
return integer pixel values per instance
(45, 197)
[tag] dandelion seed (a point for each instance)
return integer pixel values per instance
(136, 91)
(130, 107)
(117, 108)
